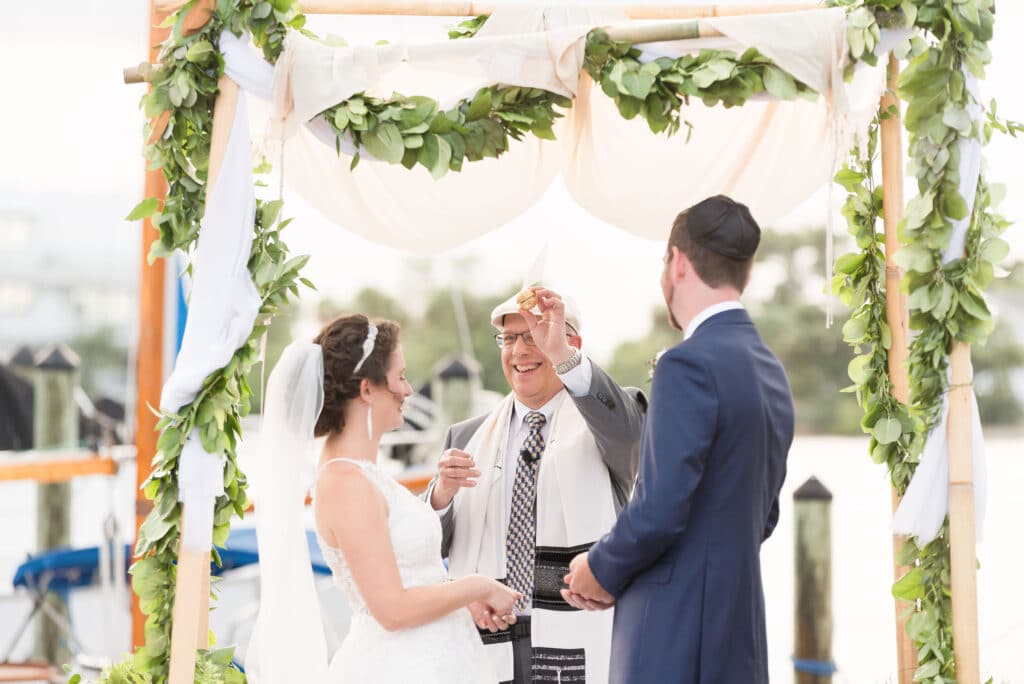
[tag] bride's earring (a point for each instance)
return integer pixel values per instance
(369, 421)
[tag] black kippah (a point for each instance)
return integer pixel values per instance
(724, 226)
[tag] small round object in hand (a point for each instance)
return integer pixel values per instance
(527, 299)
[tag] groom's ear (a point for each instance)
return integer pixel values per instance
(679, 264)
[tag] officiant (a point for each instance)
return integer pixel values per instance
(524, 488)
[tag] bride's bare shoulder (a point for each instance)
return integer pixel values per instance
(341, 484)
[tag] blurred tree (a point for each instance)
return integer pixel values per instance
(434, 334)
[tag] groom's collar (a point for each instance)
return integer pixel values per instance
(708, 313)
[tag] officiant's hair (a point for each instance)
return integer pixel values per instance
(715, 268)
(342, 342)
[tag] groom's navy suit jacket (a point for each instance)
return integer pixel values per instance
(683, 559)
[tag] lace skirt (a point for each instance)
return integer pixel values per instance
(447, 651)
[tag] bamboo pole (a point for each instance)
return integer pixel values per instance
(897, 318)
(149, 355)
(467, 8)
(962, 543)
(188, 614)
(190, 626)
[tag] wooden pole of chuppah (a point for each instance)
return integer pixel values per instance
(149, 365)
(897, 318)
(963, 553)
(190, 626)
(471, 8)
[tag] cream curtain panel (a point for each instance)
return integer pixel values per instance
(616, 169)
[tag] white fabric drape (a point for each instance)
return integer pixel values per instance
(925, 504)
(222, 309)
(741, 152)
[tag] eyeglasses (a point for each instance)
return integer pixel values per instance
(509, 339)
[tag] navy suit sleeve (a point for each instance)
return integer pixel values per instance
(773, 520)
(680, 428)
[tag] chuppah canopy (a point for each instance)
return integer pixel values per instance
(770, 154)
(613, 167)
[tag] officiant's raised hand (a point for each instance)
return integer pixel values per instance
(455, 470)
(548, 330)
(584, 591)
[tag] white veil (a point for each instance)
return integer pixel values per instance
(288, 643)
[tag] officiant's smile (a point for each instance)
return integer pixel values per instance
(528, 370)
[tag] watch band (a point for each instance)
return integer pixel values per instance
(570, 363)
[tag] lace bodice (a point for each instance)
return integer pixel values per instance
(415, 536)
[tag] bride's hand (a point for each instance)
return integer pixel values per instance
(493, 611)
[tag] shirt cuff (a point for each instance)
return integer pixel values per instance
(578, 379)
(444, 511)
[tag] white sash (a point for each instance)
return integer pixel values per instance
(575, 506)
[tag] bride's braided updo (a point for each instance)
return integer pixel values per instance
(342, 342)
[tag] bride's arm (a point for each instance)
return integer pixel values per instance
(354, 514)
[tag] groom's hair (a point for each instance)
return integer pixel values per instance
(714, 268)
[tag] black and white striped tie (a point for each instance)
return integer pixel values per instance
(521, 541)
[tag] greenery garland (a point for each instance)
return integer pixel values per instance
(414, 130)
(946, 302)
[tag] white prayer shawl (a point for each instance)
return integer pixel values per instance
(574, 507)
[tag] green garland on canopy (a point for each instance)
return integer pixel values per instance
(415, 131)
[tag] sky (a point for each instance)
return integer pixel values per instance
(71, 138)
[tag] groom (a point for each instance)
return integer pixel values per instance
(682, 563)
(525, 488)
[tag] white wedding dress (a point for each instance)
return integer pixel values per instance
(446, 651)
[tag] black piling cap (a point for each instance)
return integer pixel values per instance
(812, 490)
(57, 357)
(458, 367)
(23, 357)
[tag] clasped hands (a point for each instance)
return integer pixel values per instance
(584, 591)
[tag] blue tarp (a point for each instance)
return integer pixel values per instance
(71, 568)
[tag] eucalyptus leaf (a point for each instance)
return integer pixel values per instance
(385, 143)
(779, 83)
(143, 209)
(887, 430)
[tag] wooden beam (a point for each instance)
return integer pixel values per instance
(897, 318)
(149, 366)
(465, 8)
(59, 469)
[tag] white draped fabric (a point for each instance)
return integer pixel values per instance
(222, 309)
(740, 151)
(925, 504)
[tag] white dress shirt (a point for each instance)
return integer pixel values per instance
(707, 313)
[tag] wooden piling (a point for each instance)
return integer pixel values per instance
(55, 426)
(812, 596)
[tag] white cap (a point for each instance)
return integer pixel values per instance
(511, 306)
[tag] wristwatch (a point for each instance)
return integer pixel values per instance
(570, 363)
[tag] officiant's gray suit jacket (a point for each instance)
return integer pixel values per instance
(615, 417)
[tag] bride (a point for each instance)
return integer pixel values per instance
(409, 623)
